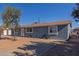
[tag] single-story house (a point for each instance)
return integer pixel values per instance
(52, 30)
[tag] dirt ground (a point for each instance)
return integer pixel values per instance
(7, 46)
(71, 48)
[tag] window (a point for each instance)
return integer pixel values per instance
(53, 30)
(29, 30)
(17, 31)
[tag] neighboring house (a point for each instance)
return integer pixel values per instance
(75, 33)
(76, 30)
(7, 32)
(52, 30)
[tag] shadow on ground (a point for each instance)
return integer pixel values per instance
(37, 49)
(8, 38)
(69, 48)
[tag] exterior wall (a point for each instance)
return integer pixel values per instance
(62, 33)
(39, 32)
(17, 33)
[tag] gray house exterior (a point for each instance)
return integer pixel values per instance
(52, 30)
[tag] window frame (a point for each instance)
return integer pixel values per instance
(49, 27)
(17, 31)
(27, 31)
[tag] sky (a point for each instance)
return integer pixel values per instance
(45, 12)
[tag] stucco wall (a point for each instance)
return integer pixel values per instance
(63, 31)
(38, 32)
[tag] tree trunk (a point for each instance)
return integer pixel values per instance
(14, 35)
(0, 35)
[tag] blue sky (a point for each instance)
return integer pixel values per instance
(51, 12)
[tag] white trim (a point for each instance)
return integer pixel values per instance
(9, 32)
(5, 32)
(52, 33)
(22, 31)
(69, 30)
(28, 32)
